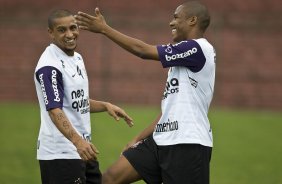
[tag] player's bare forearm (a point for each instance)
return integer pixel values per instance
(64, 126)
(86, 150)
(97, 106)
(97, 24)
(149, 130)
(132, 45)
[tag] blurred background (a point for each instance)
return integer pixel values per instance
(246, 35)
(248, 41)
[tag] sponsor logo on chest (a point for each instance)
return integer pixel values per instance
(167, 126)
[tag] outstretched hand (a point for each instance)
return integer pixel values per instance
(117, 113)
(95, 23)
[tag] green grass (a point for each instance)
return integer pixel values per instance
(247, 146)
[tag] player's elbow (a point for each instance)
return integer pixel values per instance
(143, 56)
(149, 57)
(147, 54)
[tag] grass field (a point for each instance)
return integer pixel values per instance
(247, 148)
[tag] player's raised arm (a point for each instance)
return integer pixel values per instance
(97, 24)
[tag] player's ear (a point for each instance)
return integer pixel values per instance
(192, 20)
(50, 32)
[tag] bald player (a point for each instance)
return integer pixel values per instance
(176, 148)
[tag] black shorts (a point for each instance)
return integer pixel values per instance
(173, 164)
(70, 171)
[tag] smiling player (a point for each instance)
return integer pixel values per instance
(176, 148)
(65, 152)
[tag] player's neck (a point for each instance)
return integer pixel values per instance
(195, 34)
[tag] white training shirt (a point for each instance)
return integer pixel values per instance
(188, 93)
(61, 82)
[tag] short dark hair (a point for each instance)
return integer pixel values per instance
(59, 13)
(195, 8)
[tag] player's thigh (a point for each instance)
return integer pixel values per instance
(120, 172)
(143, 156)
(185, 164)
(62, 171)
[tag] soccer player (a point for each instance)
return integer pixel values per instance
(176, 148)
(65, 152)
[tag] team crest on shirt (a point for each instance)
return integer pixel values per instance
(168, 49)
(193, 82)
(78, 72)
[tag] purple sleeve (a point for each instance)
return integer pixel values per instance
(51, 82)
(186, 53)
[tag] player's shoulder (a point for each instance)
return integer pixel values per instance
(204, 43)
(48, 58)
(78, 56)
